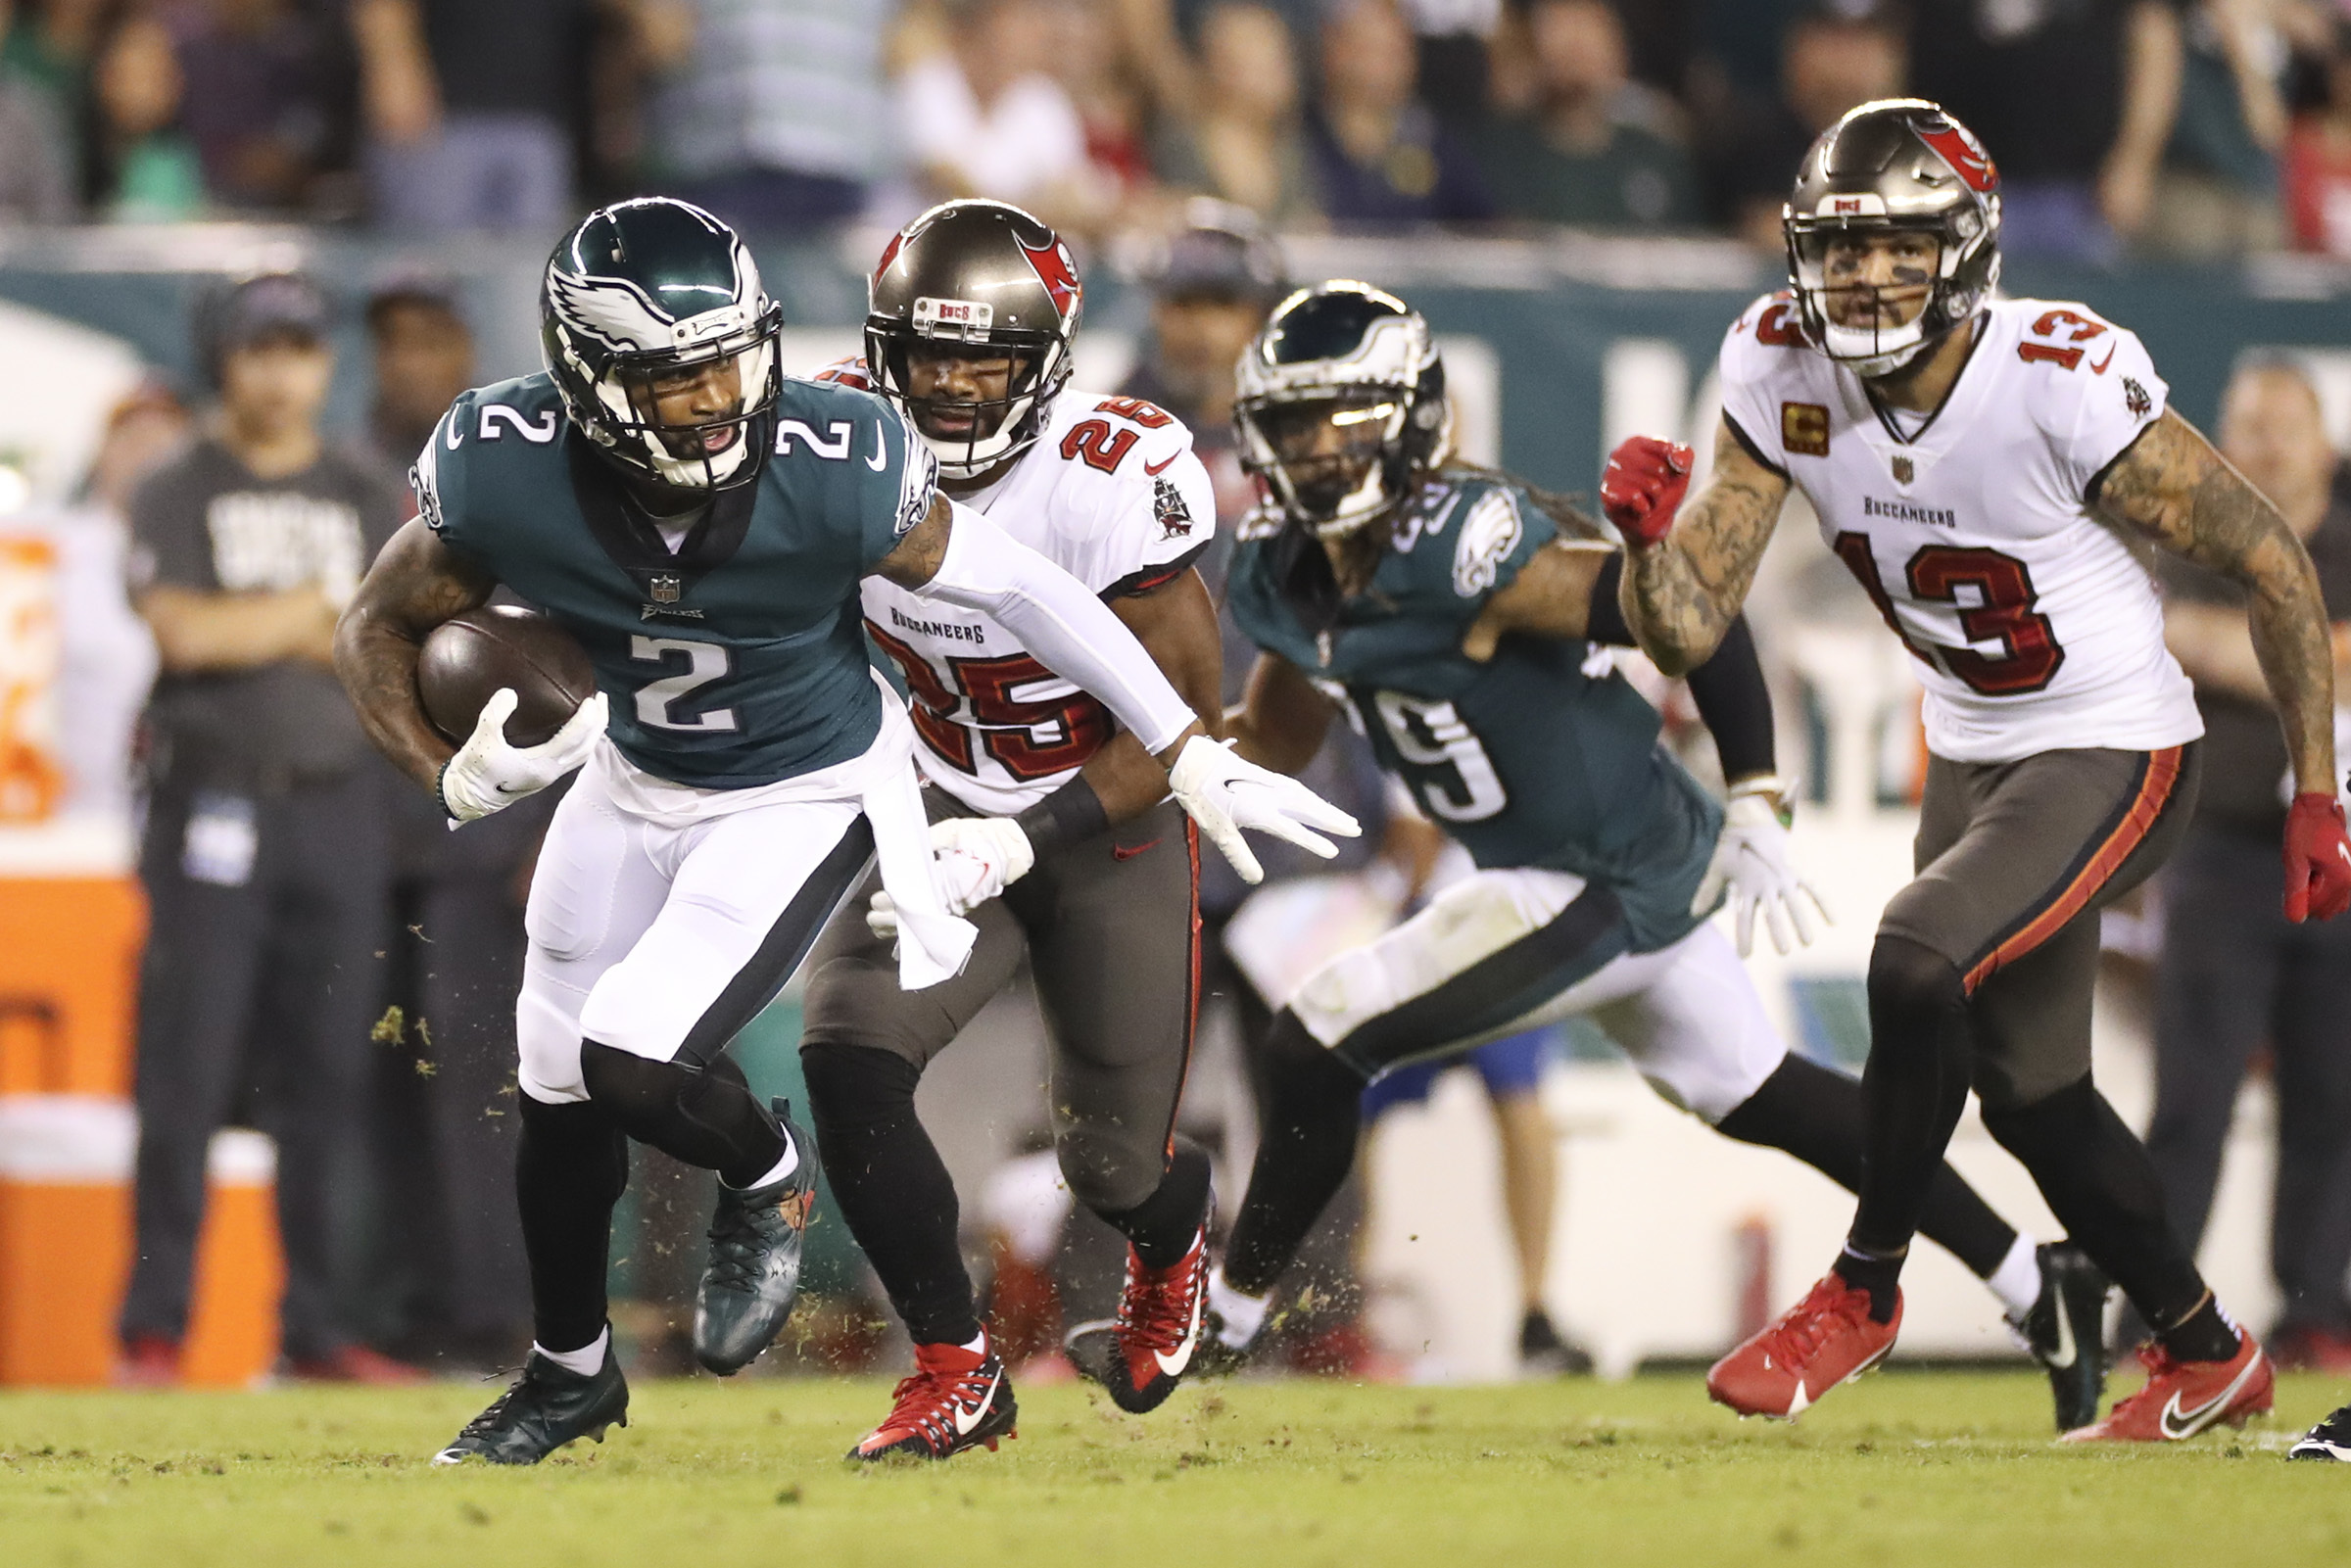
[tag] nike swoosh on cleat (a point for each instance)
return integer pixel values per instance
(1798, 1402)
(2067, 1349)
(965, 1419)
(1174, 1365)
(2189, 1423)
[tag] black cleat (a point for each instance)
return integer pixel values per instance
(1141, 1355)
(1214, 1358)
(2066, 1331)
(753, 1275)
(2329, 1441)
(1542, 1352)
(547, 1408)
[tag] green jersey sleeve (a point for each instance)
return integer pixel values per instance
(873, 473)
(1479, 537)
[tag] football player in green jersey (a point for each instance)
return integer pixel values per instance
(1460, 617)
(702, 523)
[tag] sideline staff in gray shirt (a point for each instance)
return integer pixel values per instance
(265, 859)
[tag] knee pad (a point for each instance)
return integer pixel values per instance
(1913, 978)
(1108, 1168)
(857, 1086)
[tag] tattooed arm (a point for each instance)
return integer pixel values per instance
(416, 583)
(2171, 486)
(1679, 594)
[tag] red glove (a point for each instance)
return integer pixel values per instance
(1642, 487)
(2318, 859)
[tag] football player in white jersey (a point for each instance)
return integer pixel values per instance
(1048, 831)
(1985, 468)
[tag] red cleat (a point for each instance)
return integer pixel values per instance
(354, 1363)
(1826, 1339)
(2184, 1397)
(148, 1361)
(957, 1398)
(1141, 1355)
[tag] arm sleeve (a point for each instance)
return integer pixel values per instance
(1058, 619)
(2092, 412)
(1765, 330)
(895, 475)
(1728, 689)
(1495, 538)
(1157, 528)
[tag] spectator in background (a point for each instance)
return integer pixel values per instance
(2074, 101)
(1380, 157)
(143, 167)
(984, 116)
(2218, 195)
(1837, 54)
(470, 108)
(1244, 146)
(36, 182)
(266, 98)
(444, 1127)
(1588, 153)
(46, 47)
(1113, 105)
(770, 113)
(2235, 977)
(2317, 167)
(264, 859)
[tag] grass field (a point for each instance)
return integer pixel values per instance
(1924, 1467)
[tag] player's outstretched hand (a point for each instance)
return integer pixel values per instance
(1642, 487)
(2318, 859)
(976, 858)
(489, 772)
(1224, 794)
(1752, 859)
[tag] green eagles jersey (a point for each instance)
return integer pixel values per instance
(1544, 756)
(739, 658)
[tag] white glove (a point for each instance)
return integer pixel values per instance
(1752, 860)
(489, 774)
(976, 858)
(973, 859)
(1224, 794)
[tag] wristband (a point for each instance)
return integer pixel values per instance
(1772, 789)
(1070, 815)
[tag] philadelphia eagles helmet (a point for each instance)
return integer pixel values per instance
(642, 296)
(1340, 404)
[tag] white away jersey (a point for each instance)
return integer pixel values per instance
(1111, 494)
(2034, 626)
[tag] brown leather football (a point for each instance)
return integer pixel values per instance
(466, 660)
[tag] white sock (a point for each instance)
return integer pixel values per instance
(2017, 1281)
(784, 1166)
(1243, 1316)
(587, 1360)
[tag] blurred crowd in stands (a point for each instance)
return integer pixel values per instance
(2175, 128)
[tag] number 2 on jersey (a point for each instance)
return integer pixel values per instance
(656, 701)
(2003, 612)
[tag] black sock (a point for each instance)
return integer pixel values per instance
(2203, 1335)
(891, 1185)
(1311, 1117)
(1817, 1115)
(1162, 1226)
(703, 1116)
(2104, 1189)
(1913, 1089)
(1878, 1274)
(571, 1166)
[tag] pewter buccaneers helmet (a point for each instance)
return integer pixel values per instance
(990, 281)
(651, 288)
(1900, 163)
(1340, 404)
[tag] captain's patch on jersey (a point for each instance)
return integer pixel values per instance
(1168, 510)
(1805, 429)
(1489, 533)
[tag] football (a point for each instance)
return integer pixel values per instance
(466, 660)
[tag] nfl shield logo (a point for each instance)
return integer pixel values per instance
(666, 586)
(1901, 471)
